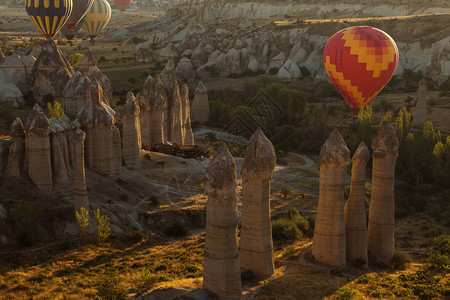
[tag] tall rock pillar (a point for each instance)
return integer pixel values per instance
(382, 206)
(420, 115)
(256, 245)
(144, 120)
(37, 150)
(17, 150)
(132, 144)
(355, 209)
(221, 271)
(329, 245)
(200, 105)
(80, 198)
(186, 116)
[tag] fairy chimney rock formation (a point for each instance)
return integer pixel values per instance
(185, 70)
(17, 149)
(60, 150)
(200, 105)
(74, 94)
(37, 146)
(175, 113)
(155, 93)
(168, 75)
(80, 191)
(103, 152)
(88, 66)
(420, 116)
(256, 246)
(132, 144)
(221, 271)
(186, 116)
(382, 207)
(355, 209)
(329, 243)
(51, 71)
(144, 121)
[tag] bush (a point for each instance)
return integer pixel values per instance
(102, 222)
(283, 229)
(346, 293)
(440, 252)
(175, 230)
(134, 237)
(111, 287)
(25, 216)
(74, 59)
(147, 279)
(82, 218)
(55, 110)
(400, 260)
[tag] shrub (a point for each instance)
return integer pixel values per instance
(175, 230)
(285, 191)
(134, 237)
(346, 293)
(300, 222)
(102, 222)
(440, 252)
(82, 218)
(74, 59)
(24, 216)
(283, 229)
(55, 110)
(400, 260)
(147, 279)
(102, 59)
(111, 287)
(200, 188)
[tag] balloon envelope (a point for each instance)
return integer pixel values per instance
(70, 34)
(97, 17)
(122, 4)
(49, 15)
(360, 61)
(79, 9)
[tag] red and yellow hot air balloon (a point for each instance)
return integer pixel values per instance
(360, 61)
(49, 15)
(122, 4)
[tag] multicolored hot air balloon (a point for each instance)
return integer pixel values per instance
(97, 18)
(122, 4)
(79, 9)
(360, 61)
(49, 15)
(70, 34)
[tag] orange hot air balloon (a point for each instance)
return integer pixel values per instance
(122, 4)
(360, 61)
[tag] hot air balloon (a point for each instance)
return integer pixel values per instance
(360, 61)
(70, 34)
(122, 4)
(49, 15)
(79, 9)
(97, 17)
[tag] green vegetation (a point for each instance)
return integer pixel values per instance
(25, 215)
(55, 110)
(82, 218)
(111, 287)
(346, 293)
(102, 223)
(292, 227)
(74, 59)
(401, 260)
(175, 230)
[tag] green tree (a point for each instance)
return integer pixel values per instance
(103, 229)
(74, 59)
(82, 218)
(55, 110)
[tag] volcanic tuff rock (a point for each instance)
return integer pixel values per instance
(168, 75)
(355, 209)
(329, 242)
(51, 72)
(37, 149)
(420, 115)
(131, 143)
(186, 129)
(200, 105)
(170, 51)
(80, 190)
(88, 66)
(17, 150)
(185, 70)
(382, 206)
(175, 113)
(74, 94)
(221, 270)
(16, 70)
(256, 246)
(155, 93)
(144, 120)
(60, 149)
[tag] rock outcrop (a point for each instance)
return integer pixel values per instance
(103, 143)
(256, 246)
(60, 150)
(51, 71)
(186, 127)
(80, 197)
(221, 271)
(131, 142)
(37, 149)
(144, 120)
(169, 52)
(420, 116)
(355, 209)
(88, 66)
(185, 71)
(200, 105)
(382, 206)
(74, 94)
(329, 243)
(17, 150)
(155, 93)
(175, 113)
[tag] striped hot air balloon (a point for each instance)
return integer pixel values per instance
(97, 18)
(360, 61)
(49, 15)
(122, 4)
(79, 9)
(70, 34)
